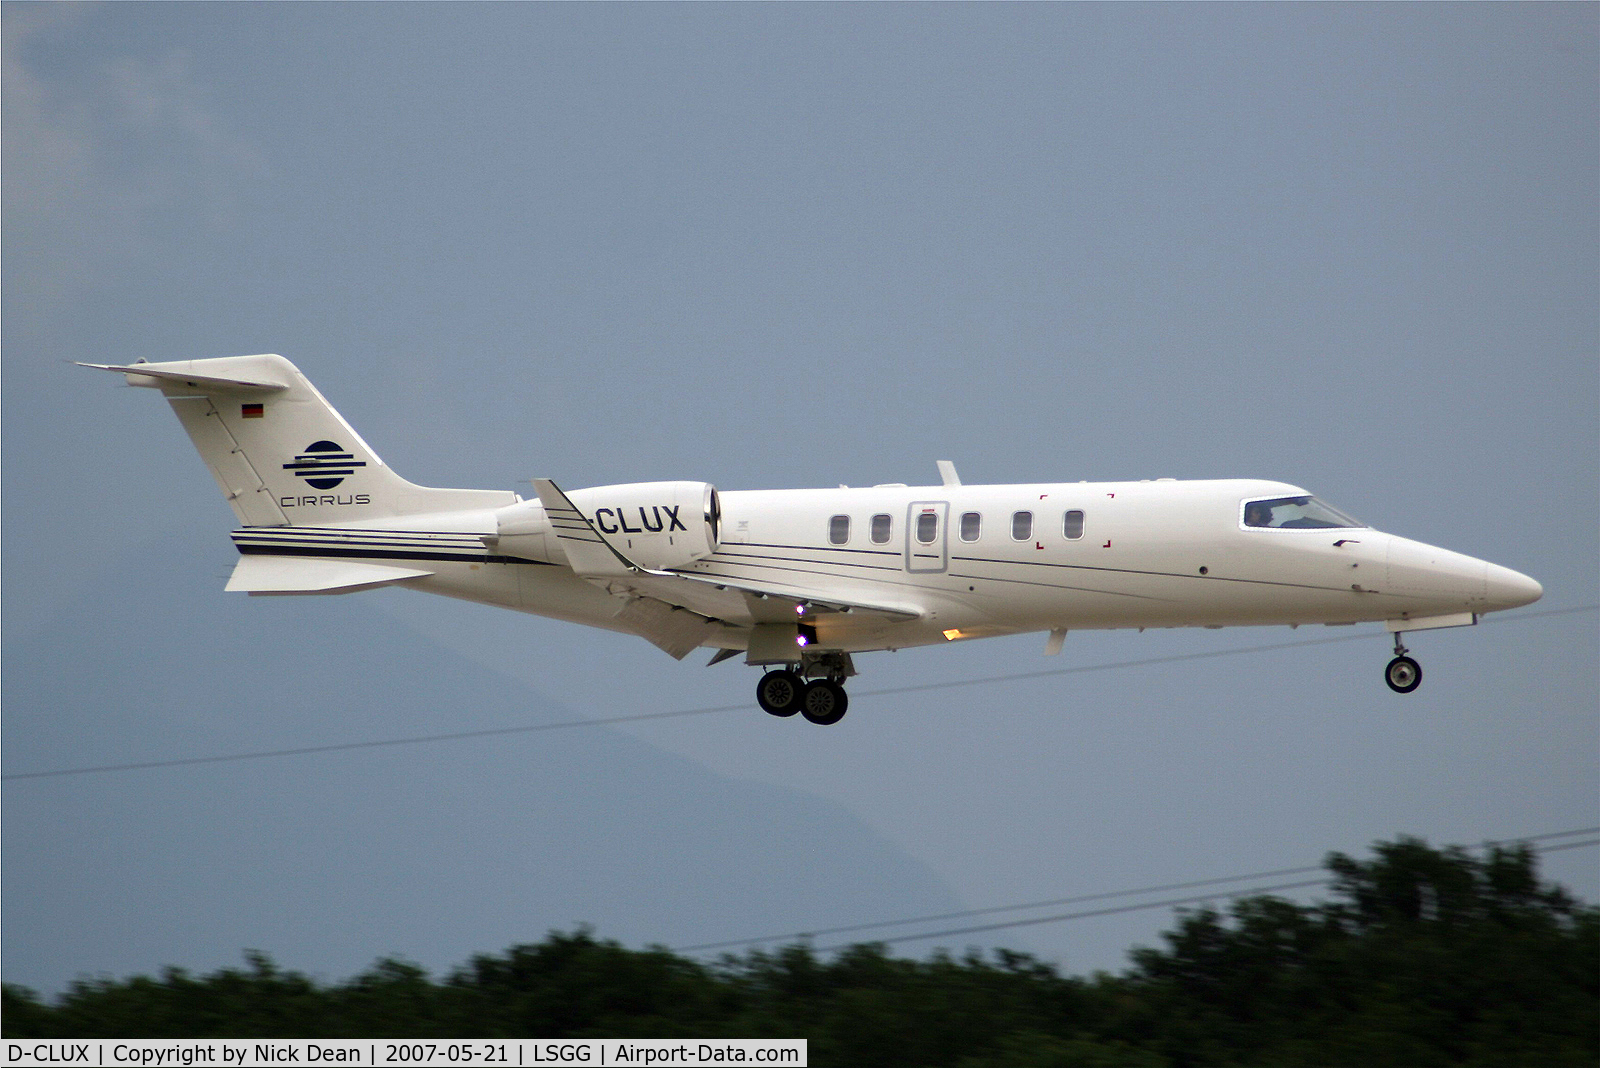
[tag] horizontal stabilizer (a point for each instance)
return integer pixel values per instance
(305, 575)
(175, 372)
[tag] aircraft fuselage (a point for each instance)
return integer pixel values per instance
(991, 560)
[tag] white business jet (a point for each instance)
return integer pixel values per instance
(799, 580)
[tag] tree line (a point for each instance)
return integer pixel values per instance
(1419, 957)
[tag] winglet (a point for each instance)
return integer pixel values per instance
(947, 472)
(587, 549)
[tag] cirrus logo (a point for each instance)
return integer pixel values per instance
(324, 464)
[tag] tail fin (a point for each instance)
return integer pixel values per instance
(280, 452)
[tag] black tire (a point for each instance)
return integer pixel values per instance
(780, 693)
(1403, 674)
(824, 702)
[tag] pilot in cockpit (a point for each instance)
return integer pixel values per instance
(1258, 514)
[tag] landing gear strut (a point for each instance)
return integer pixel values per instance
(1403, 673)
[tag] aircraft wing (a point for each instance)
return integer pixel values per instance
(743, 601)
(738, 600)
(775, 601)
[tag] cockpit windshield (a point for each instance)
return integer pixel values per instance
(1296, 513)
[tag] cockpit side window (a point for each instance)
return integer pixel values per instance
(1296, 513)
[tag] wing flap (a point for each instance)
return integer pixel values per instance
(288, 575)
(675, 631)
(745, 601)
(772, 602)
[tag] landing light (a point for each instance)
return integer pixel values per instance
(951, 635)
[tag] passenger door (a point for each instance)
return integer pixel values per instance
(926, 533)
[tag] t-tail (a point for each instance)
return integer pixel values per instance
(280, 452)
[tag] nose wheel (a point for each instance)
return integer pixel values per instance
(1403, 673)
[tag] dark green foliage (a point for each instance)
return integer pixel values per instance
(1423, 957)
(571, 986)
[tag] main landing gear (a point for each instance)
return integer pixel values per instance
(821, 700)
(784, 692)
(1403, 673)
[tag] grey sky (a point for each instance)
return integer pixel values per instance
(1353, 247)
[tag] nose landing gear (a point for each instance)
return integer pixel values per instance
(1403, 673)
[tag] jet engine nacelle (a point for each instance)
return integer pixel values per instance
(657, 525)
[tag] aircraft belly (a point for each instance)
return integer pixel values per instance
(1044, 596)
(537, 589)
(488, 583)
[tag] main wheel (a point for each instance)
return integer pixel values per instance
(824, 702)
(1403, 674)
(779, 692)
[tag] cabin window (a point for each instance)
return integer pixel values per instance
(1297, 513)
(1021, 525)
(927, 527)
(882, 528)
(839, 529)
(1072, 525)
(971, 525)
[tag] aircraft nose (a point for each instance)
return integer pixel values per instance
(1506, 588)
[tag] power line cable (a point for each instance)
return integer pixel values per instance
(1568, 845)
(425, 739)
(1115, 910)
(1231, 895)
(990, 910)
(1103, 895)
(644, 717)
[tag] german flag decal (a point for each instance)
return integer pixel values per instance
(252, 411)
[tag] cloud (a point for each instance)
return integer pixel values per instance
(106, 160)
